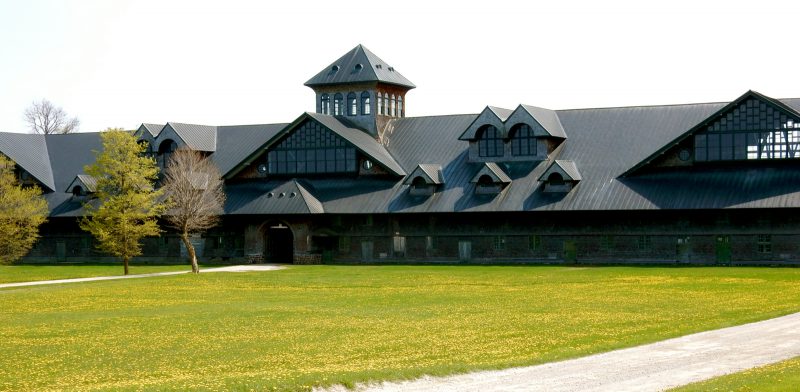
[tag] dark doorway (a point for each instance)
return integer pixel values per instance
(279, 244)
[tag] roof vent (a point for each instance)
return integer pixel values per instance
(359, 67)
(282, 194)
(293, 194)
(378, 66)
(391, 69)
(335, 68)
(270, 195)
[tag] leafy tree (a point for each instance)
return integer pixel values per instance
(22, 210)
(194, 187)
(128, 206)
(46, 118)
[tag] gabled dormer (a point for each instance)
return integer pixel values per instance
(753, 128)
(363, 88)
(82, 185)
(528, 133)
(490, 179)
(561, 176)
(424, 180)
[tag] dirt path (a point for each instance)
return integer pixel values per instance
(233, 268)
(653, 367)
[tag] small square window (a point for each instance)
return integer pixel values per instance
(499, 242)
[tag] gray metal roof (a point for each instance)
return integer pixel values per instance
(272, 197)
(501, 113)
(432, 173)
(30, 153)
(359, 65)
(85, 181)
(492, 170)
(567, 167)
(196, 137)
(153, 129)
(236, 143)
(547, 118)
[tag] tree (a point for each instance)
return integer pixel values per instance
(22, 210)
(45, 118)
(127, 205)
(194, 188)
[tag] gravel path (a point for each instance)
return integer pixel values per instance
(653, 367)
(233, 268)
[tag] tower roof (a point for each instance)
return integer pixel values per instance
(359, 65)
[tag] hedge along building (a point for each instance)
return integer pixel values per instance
(360, 181)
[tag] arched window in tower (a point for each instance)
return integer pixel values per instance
(338, 105)
(490, 141)
(393, 106)
(365, 104)
(400, 112)
(379, 100)
(386, 104)
(352, 104)
(325, 104)
(523, 142)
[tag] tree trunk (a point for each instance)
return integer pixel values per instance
(125, 264)
(190, 252)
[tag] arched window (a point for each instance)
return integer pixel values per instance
(400, 111)
(77, 191)
(555, 179)
(490, 142)
(523, 142)
(386, 104)
(365, 104)
(393, 106)
(379, 99)
(338, 105)
(325, 104)
(352, 104)
(165, 150)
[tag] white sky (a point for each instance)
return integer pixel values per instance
(121, 63)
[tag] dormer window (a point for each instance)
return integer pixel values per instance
(490, 179)
(425, 179)
(560, 177)
(82, 185)
(490, 142)
(165, 149)
(77, 191)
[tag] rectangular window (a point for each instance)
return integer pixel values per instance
(499, 242)
(344, 244)
(431, 243)
(534, 242)
(644, 242)
(764, 243)
(399, 246)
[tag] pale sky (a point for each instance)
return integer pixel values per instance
(121, 63)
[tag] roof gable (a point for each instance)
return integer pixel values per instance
(152, 129)
(494, 172)
(196, 137)
(31, 154)
(431, 173)
(85, 181)
(566, 168)
(290, 197)
(489, 116)
(750, 112)
(356, 66)
(544, 122)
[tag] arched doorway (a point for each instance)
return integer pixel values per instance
(278, 244)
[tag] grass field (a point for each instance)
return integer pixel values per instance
(782, 376)
(30, 273)
(318, 325)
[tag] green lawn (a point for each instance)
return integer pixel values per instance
(30, 273)
(312, 325)
(782, 376)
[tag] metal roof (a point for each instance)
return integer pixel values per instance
(356, 66)
(271, 197)
(492, 170)
(196, 137)
(85, 181)
(567, 167)
(547, 118)
(30, 153)
(153, 129)
(236, 143)
(432, 173)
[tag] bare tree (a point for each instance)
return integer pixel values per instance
(195, 190)
(44, 117)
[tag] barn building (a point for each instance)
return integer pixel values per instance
(359, 180)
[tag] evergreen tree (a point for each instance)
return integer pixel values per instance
(127, 205)
(22, 210)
